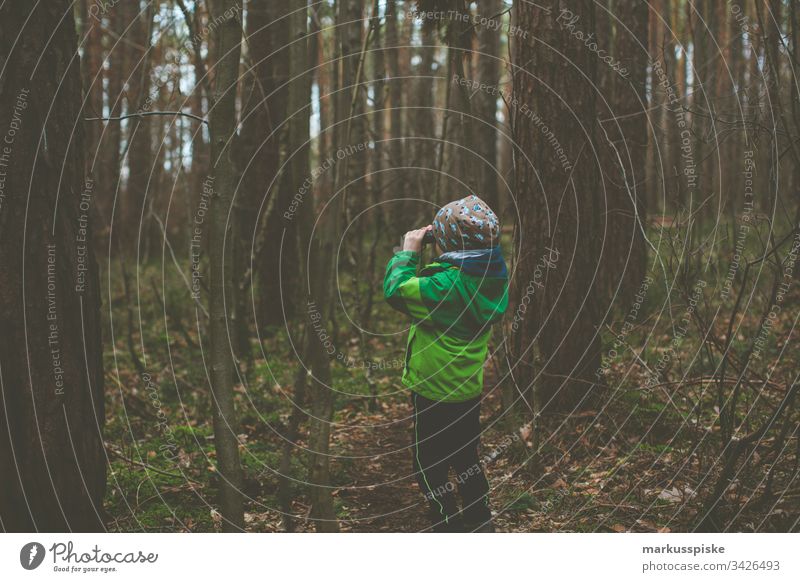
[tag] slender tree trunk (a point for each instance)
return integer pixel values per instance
(317, 282)
(680, 24)
(355, 183)
(376, 185)
(486, 102)
(666, 192)
(228, 36)
(396, 143)
(111, 139)
(729, 86)
(457, 133)
(794, 100)
(379, 105)
(422, 114)
(656, 158)
(134, 221)
(769, 18)
(325, 47)
(263, 131)
(198, 172)
(667, 120)
(703, 19)
(353, 127)
(93, 76)
(721, 90)
(51, 369)
(199, 168)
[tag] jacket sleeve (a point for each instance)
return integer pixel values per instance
(409, 294)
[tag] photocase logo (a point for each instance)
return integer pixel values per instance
(31, 555)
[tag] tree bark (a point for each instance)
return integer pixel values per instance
(682, 39)
(769, 17)
(263, 128)
(198, 172)
(703, 19)
(317, 278)
(93, 76)
(51, 369)
(353, 126)
(555, 182)
(111, 139)
(376, 177)
(424, 123)
(626, 142)
(486, 103)
(134, 223)
(396, 144)
(228, 36)
(457, 129)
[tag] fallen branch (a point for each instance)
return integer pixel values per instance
(122, 456)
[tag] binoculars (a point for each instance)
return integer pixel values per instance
(428, 239)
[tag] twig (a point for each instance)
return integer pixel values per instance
(175, 262)
(119, 454)
(146, 114)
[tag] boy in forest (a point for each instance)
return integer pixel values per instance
(453, 302)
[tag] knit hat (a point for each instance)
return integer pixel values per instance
(465, 224)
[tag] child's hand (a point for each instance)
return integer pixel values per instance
(413, 239)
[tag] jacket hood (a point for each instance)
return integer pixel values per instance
(477, 262)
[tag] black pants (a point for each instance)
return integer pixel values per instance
(446, 435)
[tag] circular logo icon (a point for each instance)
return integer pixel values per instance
(31, 555)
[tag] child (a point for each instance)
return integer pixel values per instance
(453, 302)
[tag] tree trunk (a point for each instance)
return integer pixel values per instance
(627, 131)
(111, 139)
(263, 128)
(486, 103)
(457, 129)
(657, 158)
(228, 35)
(422, 114)
(317, 280)
(199, 92)
(397, 192)
(93, 75)
(769, 17)
(134, 222)
(51, 369)
(555, 182)
(376, 187)
(352, 129)
(198, 172)
(703, 26)
(354, 182)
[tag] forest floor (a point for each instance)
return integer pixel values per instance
(646, 461)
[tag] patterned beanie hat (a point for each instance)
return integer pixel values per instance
(465, 224)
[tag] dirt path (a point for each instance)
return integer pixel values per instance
(382, 494)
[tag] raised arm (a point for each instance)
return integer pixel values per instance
(410, 294)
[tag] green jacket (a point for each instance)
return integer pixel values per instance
(452, 314)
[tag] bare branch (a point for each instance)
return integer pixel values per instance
(146, 114)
